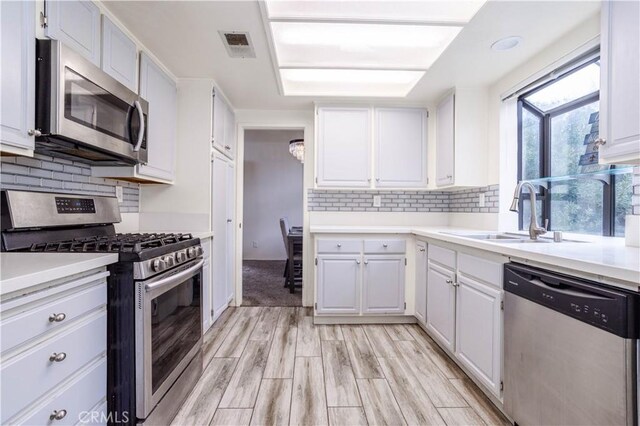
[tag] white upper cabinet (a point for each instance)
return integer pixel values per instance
(461, 138)
(76, 23)
(119, 54)
(161, 93)
(230, 132)
(401, 147)
(344, 147)
(620, 82)
(421, 282)
(17, 73)
(224, 126)
(445, 141)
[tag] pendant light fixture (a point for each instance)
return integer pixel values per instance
(296, 148)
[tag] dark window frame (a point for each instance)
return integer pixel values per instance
(608, 193)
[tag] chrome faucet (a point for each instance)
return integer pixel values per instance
(534, 228)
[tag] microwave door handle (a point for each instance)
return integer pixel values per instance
(136, 148)
(174, 277)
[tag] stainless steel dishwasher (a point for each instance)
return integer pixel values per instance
(570, 350)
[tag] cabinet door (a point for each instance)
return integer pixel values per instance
(161, 93)
(339, 284)
(229, 132)
(219, 122)
(119, 54)
(479, 330)
(76, 23)
(441, 304)
(206, 296)
(219, 212)
(344, 147)
(383, 289)
(17, 73)
(421, 281)
(445, 141)
(401, 147)
(230, 232)
(619, 87)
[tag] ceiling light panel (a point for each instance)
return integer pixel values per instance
(343, 45)
(444, 11)
(342, 82)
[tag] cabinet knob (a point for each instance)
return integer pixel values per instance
(357, 262)
(599, 142)
(422, 249)
(385, 245)
(57, 317)
(377, 179)
(449, 282)
(339, 245)
(58, 415)
(227, 147)
(366, 262)
(57, 357)
(34, 132)
(449, 176)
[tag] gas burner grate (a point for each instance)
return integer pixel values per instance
(119, 243)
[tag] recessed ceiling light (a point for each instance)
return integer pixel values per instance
(443, 11)
(375, 46)
(506, 43)
(348, 82)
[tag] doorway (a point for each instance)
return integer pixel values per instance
(272, 214)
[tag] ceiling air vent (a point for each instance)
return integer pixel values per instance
(238, 44)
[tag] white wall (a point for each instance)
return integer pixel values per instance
(273, 188)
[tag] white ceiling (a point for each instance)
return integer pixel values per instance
(184, 36)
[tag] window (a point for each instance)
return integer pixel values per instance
(557, 126)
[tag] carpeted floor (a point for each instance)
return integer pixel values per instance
(263, 284)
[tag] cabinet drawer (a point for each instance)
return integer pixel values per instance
(34, 321)
(79, 399)
(486, 270)
(31, 374)
(442, 256)
(384, 246)
(339, 246)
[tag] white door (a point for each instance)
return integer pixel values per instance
(479, 330)
(219, 227)
(17, 73)
(219, 122)
(441, 304)
(76, 23)
(119, 54)
(421, 282)
(620, 82)
(160, 91)
(445, 141)
(339, 277)
(401, 147)
(383, 284)
(230, 232)
(344, 147)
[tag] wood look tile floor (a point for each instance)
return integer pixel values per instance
(273, 366)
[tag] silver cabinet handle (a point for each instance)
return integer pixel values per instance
(449, 176)
(57, 357)
(339, 245)
(142, 126)
(422, 249)
(369, 180)
(456, 284)
(58, 415)
(366, 262)
(599, 142)
(357, 262)
(385, 245)
(449, 282)
(377, 179)
(57, 317)
(229, 220)
(34, 132)
(227, 147)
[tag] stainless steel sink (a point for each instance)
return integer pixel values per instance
(505, 238)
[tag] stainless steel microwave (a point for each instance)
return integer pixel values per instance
(84, 114)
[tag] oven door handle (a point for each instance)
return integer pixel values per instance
(136, 148)
(173, 278)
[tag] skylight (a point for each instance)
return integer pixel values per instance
(373, 48)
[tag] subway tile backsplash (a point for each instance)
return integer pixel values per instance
(43, 173)
(336, 200)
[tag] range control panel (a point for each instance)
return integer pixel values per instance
(75, 205)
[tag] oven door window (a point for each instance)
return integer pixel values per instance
(175, 327)
(91, 106)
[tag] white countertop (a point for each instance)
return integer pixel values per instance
(22, 270)
(604, 256)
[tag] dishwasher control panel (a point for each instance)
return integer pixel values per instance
(611, 309)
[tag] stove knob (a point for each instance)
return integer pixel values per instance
(191, 252)
(158, 265)
(199, 251)
(181, 257)
(169, 261)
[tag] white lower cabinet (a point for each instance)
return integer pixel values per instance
(479, 330)
(339, 284)
(441, 304)
(421, 282)
(383, 289)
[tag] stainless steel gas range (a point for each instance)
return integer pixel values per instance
(154, 295)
